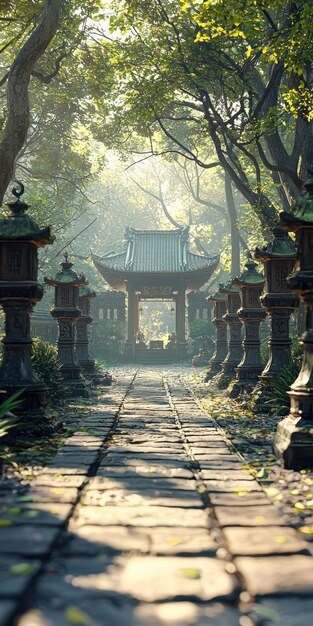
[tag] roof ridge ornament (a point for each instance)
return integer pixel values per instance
(18, 206)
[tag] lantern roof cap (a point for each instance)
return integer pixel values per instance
(20, 226)
(304, 210)
(87, 291)
(216, 297)
(281, 246)
(229, 288)
(249, 276)
(67, 276)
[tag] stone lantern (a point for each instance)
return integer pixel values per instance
(219, 310)
(20, 238)
(82, 340)
(294, 437)
(278, 258)
(235, 350)
(251, 314)
(67, 284)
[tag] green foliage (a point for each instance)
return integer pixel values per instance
(106, 336)
(47, 366)
(201, 331)
(275, 391)
(8, 406)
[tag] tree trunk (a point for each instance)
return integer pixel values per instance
(17, 122)
(234, 232)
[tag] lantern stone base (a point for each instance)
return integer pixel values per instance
(33, 399)
(246, 380)
(97, 377)
(74, 381)
(181, 350)
(293, 442)
(214, 369)
(224, 378)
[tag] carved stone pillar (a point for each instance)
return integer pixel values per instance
(278, 258)
(20, 238)
(181, 322)
(294, 437)
(251, 314)
(218, 321)
(131, 300)
(86, 362)
(235, 350)
(66, 312)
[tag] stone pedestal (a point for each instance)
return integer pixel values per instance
(250, 314)
(20, 238)
(235, 351)
(278, 258)
(181, 345)
(86, 362)
(219, 310)
(66, 312)
(294, 437)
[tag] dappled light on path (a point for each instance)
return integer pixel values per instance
(146, 517)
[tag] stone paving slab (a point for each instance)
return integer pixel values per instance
(146, 497)
(126, 449)
(28, 541)
(241, 498)
(144, 469)
(132, 459)
(94, 540)
(54, 494)
(264, 541)
(145, 578)
(218, 463)
(141, 549)
(230, 486)
(261, 515)
(12, 583)
(277, 575)
(226, 475)
(147, 481)
(57, 480)
(38, 513)
(55, 471)
(7, 609)
(141, 516)
(181, 541)
(286, 611)
(106, 613)
(154, 440)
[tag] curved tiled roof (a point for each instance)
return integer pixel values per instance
(154, 251)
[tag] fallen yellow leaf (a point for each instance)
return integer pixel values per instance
(174, 541)
(306, 530)
(75, 616)
(299, 506)
(190, 572)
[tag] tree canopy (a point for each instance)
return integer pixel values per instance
(233, 75)
(218, 90)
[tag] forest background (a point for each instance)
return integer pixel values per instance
(156, 114)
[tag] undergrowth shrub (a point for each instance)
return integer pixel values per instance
(274, 395)
(106, 337)
(47, 366)
(201, 331)
(8, 421)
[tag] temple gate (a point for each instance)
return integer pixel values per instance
(156, 265)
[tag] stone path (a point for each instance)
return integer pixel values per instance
(146, 518)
